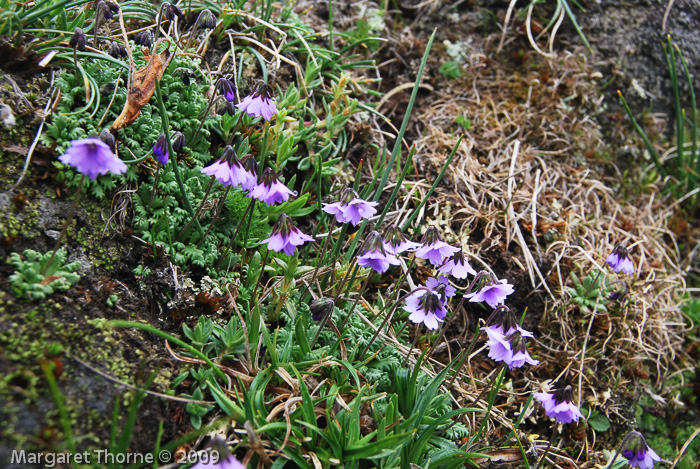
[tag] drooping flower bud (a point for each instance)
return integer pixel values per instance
(78, 40)
(207, 19)
(107, 137)
(178, 142)
(143, 38)
(321, 307)
(117, 50)
(170, 11)
(228, 107)
(227, 89)
(187, 75)
(104, 9)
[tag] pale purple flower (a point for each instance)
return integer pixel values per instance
(425, 306)
(351, 208)
(92, 157)
(441, 286)
(435, 249)
(619, 261)
(285, 236)
(160, 150)
(559, 405)
(494, 293)
(638, 453)
(396, 242)
(457, 266)
(259, 103)
(509, 349)
(226, 463)
(228, 170)
(270, 190)
(374, 256)
(251, 169)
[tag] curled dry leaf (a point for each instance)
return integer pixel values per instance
(143, 87)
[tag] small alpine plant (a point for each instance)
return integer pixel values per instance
(259, 103)
(425, 306)
(638, 453)
(92, 157)
(435, 249)
(559, 405)
(493, 292)
(457, 266)
(285, 236)
(270, 190)
(374, 256)
(351, 208)
(619, 261)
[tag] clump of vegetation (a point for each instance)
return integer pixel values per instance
(39, 275)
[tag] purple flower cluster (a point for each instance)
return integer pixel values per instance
(493, 292)
(559, 405)
(229, 171)
(425, 306)
(510, 349)
(374, 256)
(434, 249)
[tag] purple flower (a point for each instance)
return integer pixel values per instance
(374, 256)
(351, 208)
(228, 170)
(160, 150)
(494, 293)
(457, 266)
(396, 242)
(270, 190)
(226, 463)
(285, 236)
(92, 157)
(251, 169)
(435, 249)
(441, 286)
(619, 261)
(425, 306)
(509, 349)
(638, 453)
(559, 405)
(227, 89)
(259, 103)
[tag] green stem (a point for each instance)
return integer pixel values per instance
(58, 398)
(165, 124)
(199, 209)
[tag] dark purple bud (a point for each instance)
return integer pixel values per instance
(207, 20)
(250, 164)
(431, 236)
(178, 142)
(105, 10)
(113, 7)
(78, 40)
(226, 88)
(170, 11)
(160, 149)
(143, 38)
(107, 138)
(229, 107)
(187, 75)
(321, 307)
(117, 50)
(229, 154)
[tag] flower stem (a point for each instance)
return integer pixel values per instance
(166, 130)
(215, 218)
(357, 299)
(465, 358)
(319, 260)
(413, 344)
(155, 185)
(199, 210)
(335, 301)
(69, 218)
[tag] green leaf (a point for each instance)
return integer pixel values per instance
(599, 422)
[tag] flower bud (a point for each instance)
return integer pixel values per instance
(105, 10)
(170, 11)
(229, 154)
(108, 138)
(143, 38)
(229, 107)
(78, 40)
(117, 50)
(186, 76)
(321, 307)
(226, 88)
(207, 19)
(160, 149)
(178, 142)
